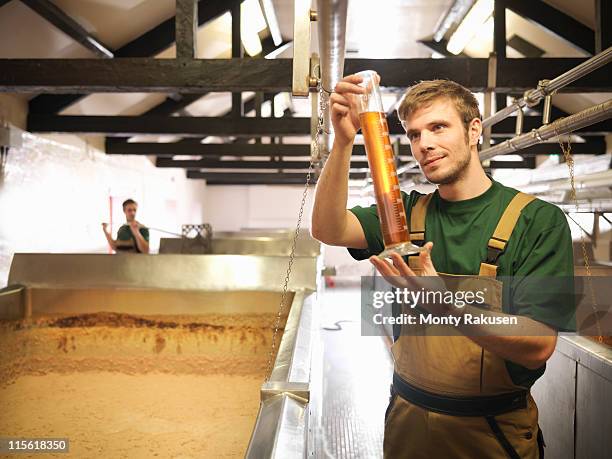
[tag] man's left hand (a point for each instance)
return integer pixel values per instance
(134, 226)
(399, 273)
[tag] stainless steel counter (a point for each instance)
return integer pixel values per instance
(574, 399)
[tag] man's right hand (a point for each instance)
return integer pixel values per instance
(343, 103)
(105, 227)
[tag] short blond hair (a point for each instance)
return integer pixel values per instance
(425, 92)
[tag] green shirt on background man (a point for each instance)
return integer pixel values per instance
(126, 242)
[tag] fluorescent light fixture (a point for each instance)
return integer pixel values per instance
(470, 26)
(252, 22)
(268, 9)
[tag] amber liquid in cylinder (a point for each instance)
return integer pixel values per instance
(386, 184)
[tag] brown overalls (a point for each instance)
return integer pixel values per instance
(450, 397)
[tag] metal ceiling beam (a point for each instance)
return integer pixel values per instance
(520, 74)
(266, 178)
(555, 21)
(271, 182)
(233, 164)
(148, 44)
(193, 147)
(144, 75)
(69, 26)
(200, 126)
(171, 106)
(246, 175)
(527, 163)
(212, 181)
(273, 75)
(187, 126)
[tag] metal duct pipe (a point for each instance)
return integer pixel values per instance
(565, 125)
(592, 205)
(452, 18)
(596, 180)
(535, 95)
(331, 28)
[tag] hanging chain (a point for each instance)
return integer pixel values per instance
(316, 150)
(566, 148)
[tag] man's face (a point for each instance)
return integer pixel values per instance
(438, 141)
(130, 212)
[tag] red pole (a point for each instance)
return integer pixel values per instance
(110, 203)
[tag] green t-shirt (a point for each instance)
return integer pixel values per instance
(540, 245)
(126, 242)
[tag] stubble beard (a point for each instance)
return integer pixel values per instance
(456, 173)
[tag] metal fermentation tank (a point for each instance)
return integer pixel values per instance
(140, 355)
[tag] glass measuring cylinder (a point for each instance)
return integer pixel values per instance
(381, 160)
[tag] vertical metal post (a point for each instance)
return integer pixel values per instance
(603, 17)
(546, 109)
(491, 84)
(259, 99)
(519, 122)
(595, 232)
(301, 48)
(499, 42)
(237, 107)
(186, 29)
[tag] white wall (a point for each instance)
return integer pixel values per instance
(231, 208)
(53, 198)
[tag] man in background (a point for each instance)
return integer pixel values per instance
(132, 236)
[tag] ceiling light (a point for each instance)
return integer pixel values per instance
(275, 32)
(471, 24)
(252, 22)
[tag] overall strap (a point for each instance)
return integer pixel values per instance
(502, 233)
(417, 219)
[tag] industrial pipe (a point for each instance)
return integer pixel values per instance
(565, 125)
(331, 27)
(533, 96)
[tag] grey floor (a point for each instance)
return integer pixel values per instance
(356, 373)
